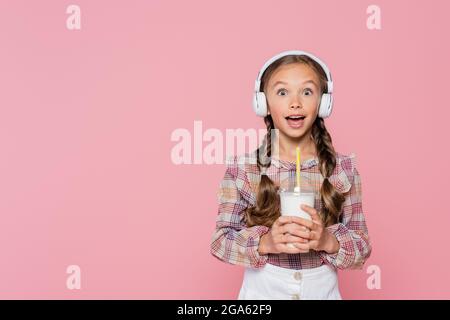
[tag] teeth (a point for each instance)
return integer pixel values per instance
(296, 117)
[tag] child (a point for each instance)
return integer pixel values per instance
(293, 94)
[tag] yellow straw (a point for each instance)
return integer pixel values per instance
(298, 170)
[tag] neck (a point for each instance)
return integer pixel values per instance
(287, 146)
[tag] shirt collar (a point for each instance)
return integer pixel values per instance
(279, 163)
(341, 178)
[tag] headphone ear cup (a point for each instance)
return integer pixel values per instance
(326, 105)
(260, 104)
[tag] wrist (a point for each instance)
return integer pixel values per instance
(262, 247)
(332, 244)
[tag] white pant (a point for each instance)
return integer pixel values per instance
(275, 283)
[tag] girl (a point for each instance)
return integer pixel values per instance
(293, 94)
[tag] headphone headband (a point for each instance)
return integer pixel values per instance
(295, 52)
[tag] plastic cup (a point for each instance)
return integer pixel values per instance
(291, 202)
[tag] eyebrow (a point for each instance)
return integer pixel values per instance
(282, 82)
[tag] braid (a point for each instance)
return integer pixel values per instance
(331, 199)
(267, 145)
(267, 207)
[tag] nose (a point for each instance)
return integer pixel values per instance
(295, 103)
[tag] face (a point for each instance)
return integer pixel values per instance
(293, 91)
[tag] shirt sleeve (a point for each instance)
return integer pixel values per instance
(352, 233)
(232, 241)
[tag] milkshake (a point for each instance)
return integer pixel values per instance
(291, 202)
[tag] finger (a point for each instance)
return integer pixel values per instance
(294, 249)
(302, 246)
(295, 230)
(281, 230)
(292, 228)
(289, 227)
(312, 211)
(291, 250)
(304, 222)
(279, 222)
(314, 215)
(291, 238)
(288, 238)
(302, 234)
(283, 220)
(306, 208)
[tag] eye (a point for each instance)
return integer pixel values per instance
(281, 90)
(308, 91)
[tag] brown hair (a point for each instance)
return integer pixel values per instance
(267, 207)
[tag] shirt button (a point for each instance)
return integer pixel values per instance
(295, 297)
(297, 276)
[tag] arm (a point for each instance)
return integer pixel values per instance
(352, 234)
(232, 241)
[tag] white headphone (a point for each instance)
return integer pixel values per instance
(326, 101)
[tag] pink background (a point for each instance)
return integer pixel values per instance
(86, 116)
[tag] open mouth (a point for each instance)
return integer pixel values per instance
(295, 121)
(295, 118)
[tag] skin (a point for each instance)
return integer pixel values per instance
(296, 96)
(299, 94)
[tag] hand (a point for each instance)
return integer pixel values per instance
(319, 238)
(280, 234)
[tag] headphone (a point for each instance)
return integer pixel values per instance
(326, 101)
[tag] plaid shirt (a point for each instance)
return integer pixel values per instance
(235, 243)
